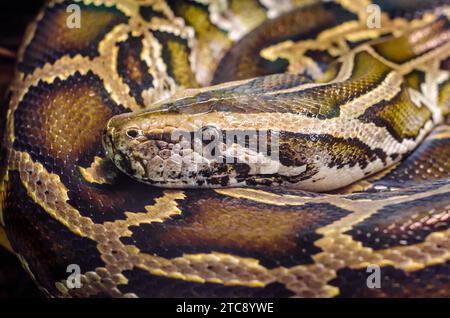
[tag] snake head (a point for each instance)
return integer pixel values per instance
(237, 134)
(185, 147)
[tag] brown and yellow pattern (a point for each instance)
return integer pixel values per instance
(62, 202)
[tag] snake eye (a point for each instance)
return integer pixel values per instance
(132, 133)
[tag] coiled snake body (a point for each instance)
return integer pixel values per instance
(362, 178)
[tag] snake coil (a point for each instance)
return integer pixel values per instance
(370, 95)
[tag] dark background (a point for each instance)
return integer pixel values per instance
(14, 17)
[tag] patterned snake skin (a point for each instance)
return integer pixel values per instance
(63, 202)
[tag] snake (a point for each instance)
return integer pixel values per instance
(225, 148)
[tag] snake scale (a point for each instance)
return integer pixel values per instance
(362, 178)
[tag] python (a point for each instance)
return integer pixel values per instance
(361, 175)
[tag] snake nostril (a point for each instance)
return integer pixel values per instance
(132, 133)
